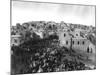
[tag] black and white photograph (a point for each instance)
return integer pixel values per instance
(52, 37)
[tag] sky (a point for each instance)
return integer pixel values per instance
(23, 11)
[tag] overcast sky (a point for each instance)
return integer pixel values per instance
(35, 11)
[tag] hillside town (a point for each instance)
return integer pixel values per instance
(40, 46)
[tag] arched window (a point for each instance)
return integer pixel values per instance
(64, 34)
(88, 50)
(50, 27)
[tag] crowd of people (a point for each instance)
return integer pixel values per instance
(42, 55)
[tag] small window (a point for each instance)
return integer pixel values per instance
(15, 40)
(73, 42)
(88, 50)
(32, 24)
(24, 27)
(12, 44)
(13, 33)
(83, 42)
(78, 42)
(50, 27)
(76, 34)
(31, 29)
(66, 42)
(64, 34)
(53, 25)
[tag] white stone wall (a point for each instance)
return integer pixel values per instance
(64, 40)
(79, 45)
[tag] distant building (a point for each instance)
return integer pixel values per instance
(72, 36)
(74, 41)
(16, 40)
(80, 44)
(65, 39)
(25, 26)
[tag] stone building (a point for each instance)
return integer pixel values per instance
(65, 39)
(73, 40)
(16, 40)
(80, 44)
(70, 36)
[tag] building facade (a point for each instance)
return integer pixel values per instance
(76, 42)
(16, 40)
